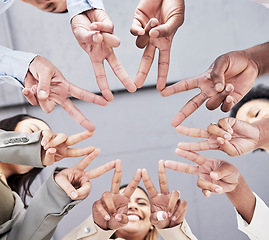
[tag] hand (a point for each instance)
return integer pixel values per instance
(214, 175)
(230, 135)
(226, 82)
(76, 182)
(155, 23)
(46, 86)
(94, 32)
(110, 212)
(174, 209)
(55, 146)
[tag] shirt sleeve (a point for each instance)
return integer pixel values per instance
(47, 208)
(76, 7)
(21, 148)
(14, 64)
(179, 232)
(88, 230)
(258, 227)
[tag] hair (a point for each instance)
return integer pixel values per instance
(259, 92)
(20, 183)
(152, 233)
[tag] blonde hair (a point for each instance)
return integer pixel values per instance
(152, 234)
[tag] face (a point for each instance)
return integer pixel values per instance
(29, 125)
(55, 6)
(253, 110)
(139, 217)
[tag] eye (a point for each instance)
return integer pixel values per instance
(142, 203)
(256, 115)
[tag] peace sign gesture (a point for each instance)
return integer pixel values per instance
(56, 146)
(208, 92)
(110, 212)
(230, 135)
(76, 182)
(172, 208)
(214, 175)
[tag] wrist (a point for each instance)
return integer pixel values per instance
(262, 126)
(258, 56)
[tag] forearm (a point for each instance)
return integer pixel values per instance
(46, 209)
(243, 200)
(21, 148)
(260, 56)
(14, 63)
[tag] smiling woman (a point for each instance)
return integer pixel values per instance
(129, 212)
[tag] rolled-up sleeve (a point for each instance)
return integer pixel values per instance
(76, 7)
(14, 64)
(258, 227)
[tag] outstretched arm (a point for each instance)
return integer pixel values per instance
(218, 176)
(238, 69)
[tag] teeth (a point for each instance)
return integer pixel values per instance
(133, 218)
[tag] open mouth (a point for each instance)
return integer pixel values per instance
(133, 217)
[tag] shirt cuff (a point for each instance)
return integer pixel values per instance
(76, 7)
(257, 229)
(15, 63)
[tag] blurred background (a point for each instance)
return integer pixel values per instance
(136, 127)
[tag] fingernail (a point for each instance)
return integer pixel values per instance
(228, 88)
(218, 190)
(42, 94)
(43, 142)
(107, 217)
(230, 130)
(119, 218)
(221, 140)
(73, 194)
(227, 136)
(174, 218)
(214, 175)
(94, 38)
(218, 87)
(208, 194)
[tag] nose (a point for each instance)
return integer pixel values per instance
(132, 206)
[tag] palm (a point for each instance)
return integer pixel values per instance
(244, 139)
(160, 203)
(228, 182)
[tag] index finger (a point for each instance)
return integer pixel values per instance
(182, 86)
(129, 190)
(97, 172)
(163, 182)
(87, 96)
(192, 156)
(116, 180)
(76, 138)
(148, 184)
(181, 167)
(192, 132)
(190, 107)
(85, 162)
(73, 111)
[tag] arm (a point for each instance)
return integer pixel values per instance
(46, 209)
(243, 199)
(21, 148)
(179, 232)
(257, 229)
(260, 55)
(14, 63)
(88, 230)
